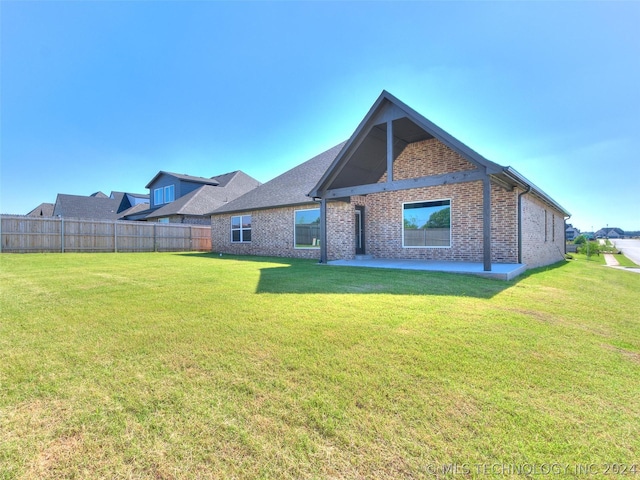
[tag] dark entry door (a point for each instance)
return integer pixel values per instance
(360, 231)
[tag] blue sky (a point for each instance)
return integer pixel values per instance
(103, 95)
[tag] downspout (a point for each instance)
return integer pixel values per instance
(564, 234)
(520, 222)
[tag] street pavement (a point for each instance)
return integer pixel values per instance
(631, 249)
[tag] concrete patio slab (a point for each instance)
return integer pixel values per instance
(501, 271)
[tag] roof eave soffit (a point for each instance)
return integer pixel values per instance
(382, 111)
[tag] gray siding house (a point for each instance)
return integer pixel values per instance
(179, 198)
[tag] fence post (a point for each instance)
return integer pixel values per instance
(61, 234)
(191, 239)
(115, 237)
(155, 241)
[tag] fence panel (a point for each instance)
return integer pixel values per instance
(307, 234)
(433, 237)
(135, 237)
(169, 239)
(20, 234)
(201, 238)
(88, 236)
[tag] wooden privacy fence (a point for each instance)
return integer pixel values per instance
(434, 237)
(307, 234)
(35, 234)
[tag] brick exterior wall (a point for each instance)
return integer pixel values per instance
(341, 230)
(271, 234)
(383, 217)
(542, 241)
(426, 158)
(273, 229)
(384, 220)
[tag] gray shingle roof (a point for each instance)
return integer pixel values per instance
(237, 183)
(42, 210)
(208, 197)
(290, 188)
(226, 178)
(96, 208)
(357, 166)
(137, 212)
(136, 209)
(181, 176)
(198, 202)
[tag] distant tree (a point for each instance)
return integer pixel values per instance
(580, 240)
(302, 220)
(411, 223)
(439, 219)
(590, 248)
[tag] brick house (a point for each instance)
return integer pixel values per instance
(399, 188)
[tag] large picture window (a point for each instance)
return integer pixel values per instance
(307, 228)
(426, 224)
(241, 229)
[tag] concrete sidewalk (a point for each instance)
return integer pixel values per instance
(612, 261)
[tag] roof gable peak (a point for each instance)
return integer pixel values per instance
(388, 127)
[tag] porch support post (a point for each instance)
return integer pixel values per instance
(389, 151)
(486, 222)
(323, 231)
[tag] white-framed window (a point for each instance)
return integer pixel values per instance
(426, 224)
(164, 194)
(169, 194)
(307, 228)
(241, 229)
(157, 196)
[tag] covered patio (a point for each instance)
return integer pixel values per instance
(499, 271)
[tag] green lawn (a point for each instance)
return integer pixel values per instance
(625, 262)
(195, 366)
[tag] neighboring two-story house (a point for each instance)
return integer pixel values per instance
(172, 198)
(179, 198)
(571, 233)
